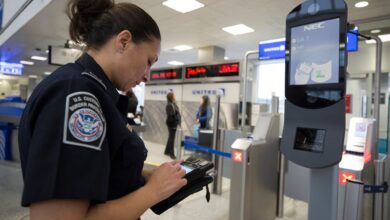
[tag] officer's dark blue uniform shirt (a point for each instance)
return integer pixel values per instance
(74, 140)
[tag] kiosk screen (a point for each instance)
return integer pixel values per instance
(361, 130)
(309, 139)
(315, 53)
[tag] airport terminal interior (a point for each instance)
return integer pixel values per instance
(298, 96)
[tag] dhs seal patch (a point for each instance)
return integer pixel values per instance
(85, 125)
(84, 122)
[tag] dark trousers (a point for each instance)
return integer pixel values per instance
(171, 141)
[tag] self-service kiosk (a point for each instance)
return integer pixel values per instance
(313, 134)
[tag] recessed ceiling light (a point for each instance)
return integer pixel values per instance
(24, 62)
(226, 58)
(175, 63)
(182, 47)
(39, 58)
(376, 31)
(238, 29)
(383, 37)
(32, 76)
(361, 4)
(47, 73)
(183, 6)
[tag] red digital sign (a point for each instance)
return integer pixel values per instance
(228, 68)
(195, 71)
(165, 74)
(218, 70)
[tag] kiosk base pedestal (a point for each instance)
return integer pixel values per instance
(323, 193)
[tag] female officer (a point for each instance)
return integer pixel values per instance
(80, 159)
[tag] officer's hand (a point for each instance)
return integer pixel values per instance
(166, 180)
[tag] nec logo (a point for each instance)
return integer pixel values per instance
(314, 26)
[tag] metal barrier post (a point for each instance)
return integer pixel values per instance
(217, 187)
(217, 184)
(280, 200)
(379, 180)
(178, 140)
(378, 202)
(353, 200)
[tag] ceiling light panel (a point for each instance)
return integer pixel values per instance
(175, 63)
(39, 58)
(361, 4)
(183, 6)
(24, 62)
(182, 47)
(238, 29)
(376, 31)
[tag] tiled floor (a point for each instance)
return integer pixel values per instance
(193, 207)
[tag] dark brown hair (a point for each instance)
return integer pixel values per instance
(95, 21)
(171, 97)
(205, 101)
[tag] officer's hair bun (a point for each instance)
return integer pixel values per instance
(83, 13)
(94, 22)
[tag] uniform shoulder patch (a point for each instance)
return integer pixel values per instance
(84, 123)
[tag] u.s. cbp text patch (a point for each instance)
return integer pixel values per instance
(84, 123)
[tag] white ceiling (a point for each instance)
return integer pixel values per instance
(199, 28)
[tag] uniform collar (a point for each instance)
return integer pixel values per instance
(94, 68)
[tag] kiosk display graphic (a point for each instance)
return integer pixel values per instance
(321, 41)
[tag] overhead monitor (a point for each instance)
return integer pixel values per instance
(61, 56)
